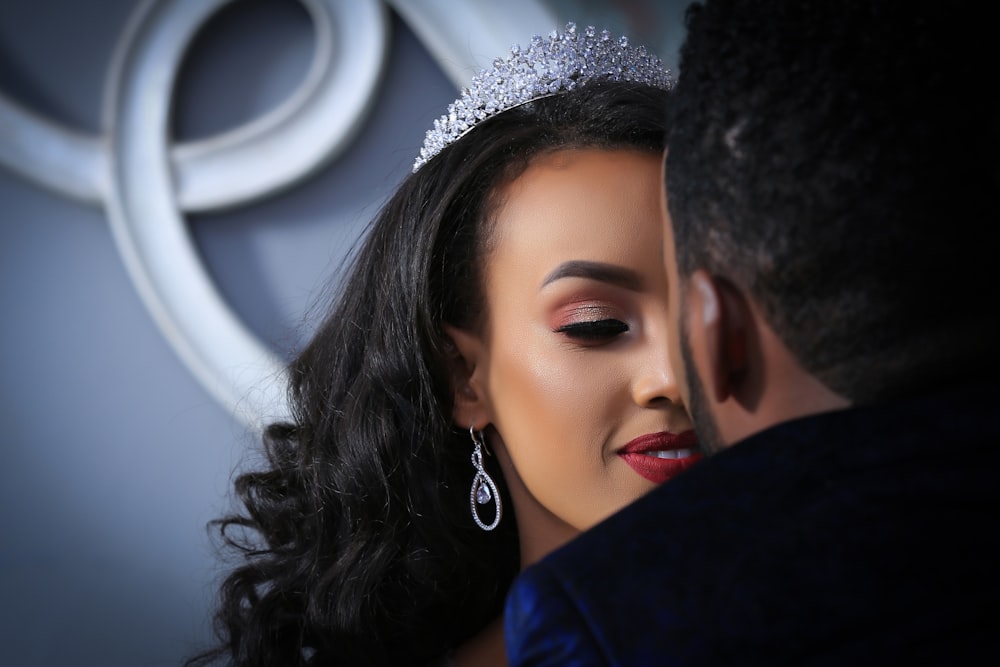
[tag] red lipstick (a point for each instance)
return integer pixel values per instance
(661, 456)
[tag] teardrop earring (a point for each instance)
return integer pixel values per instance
(483, 488)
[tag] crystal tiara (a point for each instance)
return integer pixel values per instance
(560, 63)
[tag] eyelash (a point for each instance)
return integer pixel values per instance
(594, 330)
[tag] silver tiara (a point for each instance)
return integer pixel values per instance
(560, 63)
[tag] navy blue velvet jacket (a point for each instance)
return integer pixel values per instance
(868, 536)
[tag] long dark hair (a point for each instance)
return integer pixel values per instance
(356, 540)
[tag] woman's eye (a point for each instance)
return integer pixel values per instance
(594, 330)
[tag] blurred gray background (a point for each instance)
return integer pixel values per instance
(113, 456)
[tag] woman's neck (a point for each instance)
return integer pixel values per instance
(539, 530)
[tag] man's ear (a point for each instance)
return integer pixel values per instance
(718, 326)
(466, 370)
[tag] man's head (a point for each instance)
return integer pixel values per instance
(832, 183)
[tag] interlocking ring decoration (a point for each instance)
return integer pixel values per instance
(146, 184)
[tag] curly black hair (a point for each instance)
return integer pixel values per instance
(841, 165)
(356, 541)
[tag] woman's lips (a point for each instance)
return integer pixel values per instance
(661, 456)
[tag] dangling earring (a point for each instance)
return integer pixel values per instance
(483, 488)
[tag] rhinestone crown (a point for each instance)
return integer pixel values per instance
(563, 62)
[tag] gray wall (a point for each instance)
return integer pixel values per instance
(112, 455)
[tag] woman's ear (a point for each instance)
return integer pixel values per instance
(467, 373)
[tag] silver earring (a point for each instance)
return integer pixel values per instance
(483, 488)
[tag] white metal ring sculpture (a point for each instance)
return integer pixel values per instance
(146, 184)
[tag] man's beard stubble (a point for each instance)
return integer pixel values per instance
(704, 424)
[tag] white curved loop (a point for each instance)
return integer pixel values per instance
(145, 184)
(249, 162)
(310, 128)
(50, 155)
(147, 226)
(223, 354)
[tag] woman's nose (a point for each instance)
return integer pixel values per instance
(656, 383)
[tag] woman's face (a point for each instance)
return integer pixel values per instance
(572, 366)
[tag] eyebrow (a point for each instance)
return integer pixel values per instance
(606, 273)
